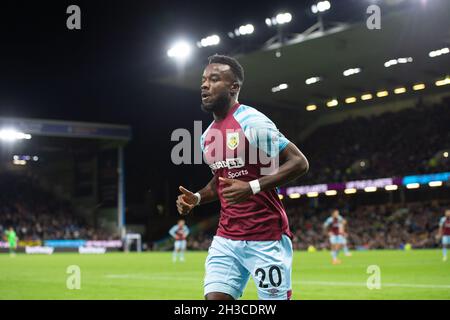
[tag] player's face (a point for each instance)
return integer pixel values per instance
(217, 83)
(335, 214)
(181, 223)
(447, 213)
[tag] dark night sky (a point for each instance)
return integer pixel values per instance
(103, 72)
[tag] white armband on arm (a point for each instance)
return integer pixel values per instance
(254, 184)
(199, 198)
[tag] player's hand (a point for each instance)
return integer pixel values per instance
(235, 191)
(186, 201)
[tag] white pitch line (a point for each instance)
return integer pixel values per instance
(360, 284)
(316, 283)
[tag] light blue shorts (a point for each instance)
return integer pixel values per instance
(231, 262)
(337, 239)
(180, 245)
(446, 240)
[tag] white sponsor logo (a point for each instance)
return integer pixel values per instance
(39, 250)
(91, 250)
(104, 243)
(232, 175)
(232, 163)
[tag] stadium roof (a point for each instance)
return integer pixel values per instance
(53, 136)
(413, 32)
(69, 129)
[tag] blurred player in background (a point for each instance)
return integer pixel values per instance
(334, 227)
(179, 232)
(12, 239)
(444, 233)
(253, 236)
(347, 253)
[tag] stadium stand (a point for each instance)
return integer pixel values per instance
(390, 144)
(382, 226)
(39, 215)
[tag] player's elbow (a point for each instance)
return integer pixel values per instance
(301, 166)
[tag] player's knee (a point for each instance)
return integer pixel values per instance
(218, 296)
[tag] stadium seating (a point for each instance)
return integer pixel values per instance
(384, 226)
(390, 144)
(38, 215)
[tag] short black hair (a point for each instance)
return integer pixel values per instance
(235, 66)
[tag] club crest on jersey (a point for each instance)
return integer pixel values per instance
(232, 140)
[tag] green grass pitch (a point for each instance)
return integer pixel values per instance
(416, 274)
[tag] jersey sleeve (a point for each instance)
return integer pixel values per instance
(173, 231)
(203, 137)
(327, 222)
(442, 222)
(260, 131)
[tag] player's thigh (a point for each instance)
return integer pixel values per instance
(336, 242)
(339, 242)
(446, 240)
(224, 273)
(177, 245)
(332, 240)
(270, 263)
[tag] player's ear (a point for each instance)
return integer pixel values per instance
(235, 87)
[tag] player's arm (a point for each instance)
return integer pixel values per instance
(188, 200)
(325, 228)
(209, 192)
(440, 231)
(172, 231)
(441, 228)
(293, 165)
(344, 226)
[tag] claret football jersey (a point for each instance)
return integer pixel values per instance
(445, 224)
(334, 225)
(245, 145)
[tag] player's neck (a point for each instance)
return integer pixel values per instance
(219, 115)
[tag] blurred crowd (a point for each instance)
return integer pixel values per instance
(386, 145)
(38, 215)
(385, 226)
